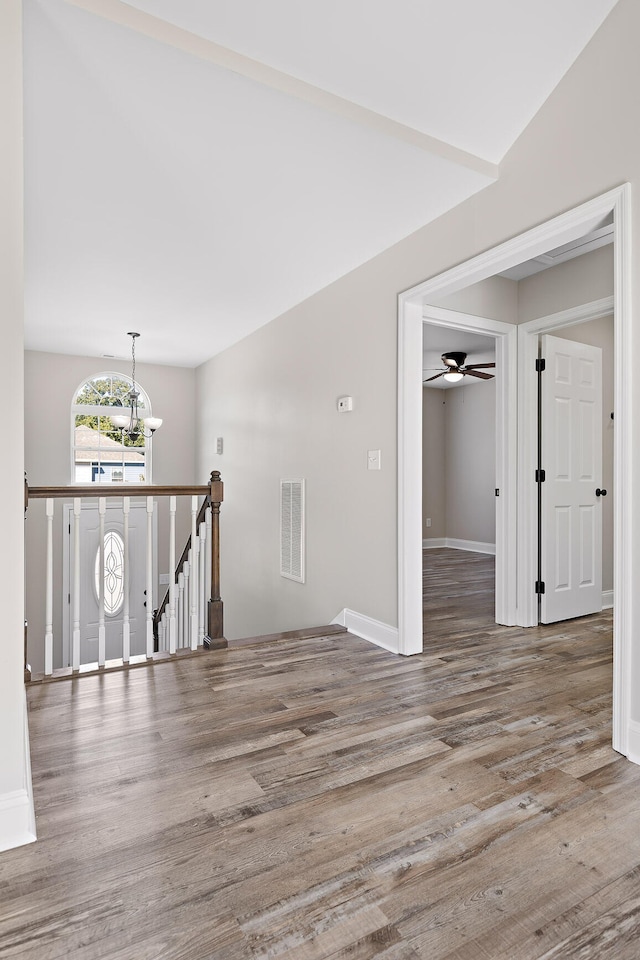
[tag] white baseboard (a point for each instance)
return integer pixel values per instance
(474, 546)
(607, 599)
(368, 629)
(17, 814)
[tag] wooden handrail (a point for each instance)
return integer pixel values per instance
(113, 490)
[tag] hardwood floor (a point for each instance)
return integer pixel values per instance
(321, 798)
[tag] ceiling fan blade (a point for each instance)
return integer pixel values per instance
(479, 366)
(436, 376)
(481, 376)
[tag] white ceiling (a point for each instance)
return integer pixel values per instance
(177, 188)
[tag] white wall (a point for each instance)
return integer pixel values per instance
(16, 812)
(51, 380)
(272, 396)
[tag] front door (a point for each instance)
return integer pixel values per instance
(571, 494)
(113, 580)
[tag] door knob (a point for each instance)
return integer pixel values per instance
(601, 493)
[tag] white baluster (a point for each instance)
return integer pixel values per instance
(201, 585)
(75, 640)
(186, 600)
(149, 576)
(126, 621)
(161, 642)
(193, 618)
(172, 574)
(102, 506)
(48, 628)
(179, 609)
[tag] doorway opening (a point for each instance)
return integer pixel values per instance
(468, 453)
(521, 591)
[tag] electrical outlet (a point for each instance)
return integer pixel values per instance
(428, 522)
(219, 445)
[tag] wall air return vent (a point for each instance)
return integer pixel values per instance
(292, 529)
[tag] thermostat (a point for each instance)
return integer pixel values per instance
(345, 404)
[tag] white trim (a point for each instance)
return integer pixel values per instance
(17, 814)
(539, 240)
(633, 741)
(607, 599)
(452, 543)
(375, 631)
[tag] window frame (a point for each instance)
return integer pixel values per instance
(96, 410)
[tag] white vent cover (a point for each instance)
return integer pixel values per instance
(292, 529)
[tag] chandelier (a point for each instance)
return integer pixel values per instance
(131, 423)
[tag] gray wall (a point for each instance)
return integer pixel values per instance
(272, 396)
(434, 463)
(470, 420)
(459, 462)
(586, 278)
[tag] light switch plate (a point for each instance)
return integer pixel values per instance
(373, 459)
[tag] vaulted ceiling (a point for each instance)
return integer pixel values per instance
(194, 168)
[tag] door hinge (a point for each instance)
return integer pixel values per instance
(540, 365)
(541, 476)
(539, 587)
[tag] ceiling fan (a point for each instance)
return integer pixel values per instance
(456, 369)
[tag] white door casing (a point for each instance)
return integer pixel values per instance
(571, 511)
(531, 243)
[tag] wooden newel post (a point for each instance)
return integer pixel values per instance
(215, 633)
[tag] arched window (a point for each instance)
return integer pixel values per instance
(100, 451)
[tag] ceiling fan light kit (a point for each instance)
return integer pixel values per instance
(455, 368)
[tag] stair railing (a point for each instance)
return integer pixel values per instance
(191, 613)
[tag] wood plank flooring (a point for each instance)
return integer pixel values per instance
(321, 798)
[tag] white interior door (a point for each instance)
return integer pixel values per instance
(571, 504)
(114, 595)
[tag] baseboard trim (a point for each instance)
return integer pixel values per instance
(607, 599)
(633, 742)
(17, 814)
(375, 631)
(452, 543)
